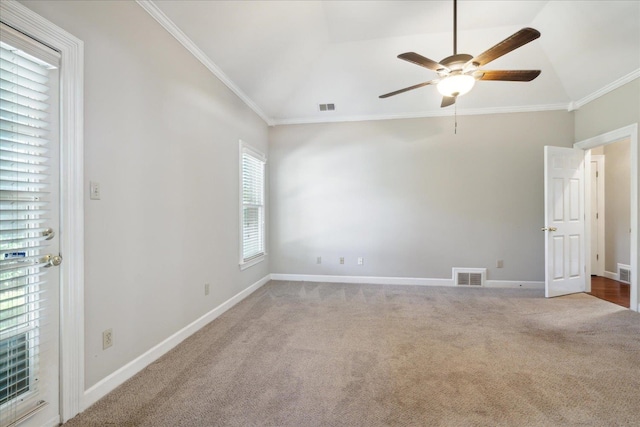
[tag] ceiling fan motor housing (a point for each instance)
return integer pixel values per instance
(457, 64)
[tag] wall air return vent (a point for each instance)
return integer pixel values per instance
(624, 273)
(474, 277)
(327, 107)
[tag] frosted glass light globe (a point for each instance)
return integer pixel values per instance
(456, 85)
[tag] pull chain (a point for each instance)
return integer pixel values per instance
(455, 115)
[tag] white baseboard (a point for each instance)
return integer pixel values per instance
(362, 279)
(415, 281)
(610, 275)
(520, 284)
(53, 422)
(109, 383)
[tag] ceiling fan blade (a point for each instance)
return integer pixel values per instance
(422, 61)
(386, 95)
(508, 75)
(513, 42)
(447, 100)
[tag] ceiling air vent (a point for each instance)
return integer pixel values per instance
(624, 273)
(469, 276)
(327, 107)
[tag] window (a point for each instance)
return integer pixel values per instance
(252, 201)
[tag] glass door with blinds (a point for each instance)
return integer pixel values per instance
(29, 232)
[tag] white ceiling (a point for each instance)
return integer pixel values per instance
(286, 57)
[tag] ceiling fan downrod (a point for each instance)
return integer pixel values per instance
(455, 27)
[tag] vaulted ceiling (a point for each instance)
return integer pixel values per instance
(286, 57)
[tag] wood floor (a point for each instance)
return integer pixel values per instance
(610, 290)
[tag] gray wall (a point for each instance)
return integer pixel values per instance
(616, 109)
(161, 137)
(411, 197)
(617, 204)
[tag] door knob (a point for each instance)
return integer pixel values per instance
(549, 229)
(51, 260)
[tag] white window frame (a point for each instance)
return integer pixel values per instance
(247, 149)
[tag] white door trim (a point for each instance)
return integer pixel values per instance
(630, 132)
(71, 48)
(600, 209)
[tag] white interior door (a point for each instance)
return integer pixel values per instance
(564, 221)
(29, 232)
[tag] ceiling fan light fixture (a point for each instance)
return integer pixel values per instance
(456, 85)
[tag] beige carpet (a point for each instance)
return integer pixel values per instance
(309, 354)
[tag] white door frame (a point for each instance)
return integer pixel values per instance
(25, 20)
(630, 132)
(600, 209)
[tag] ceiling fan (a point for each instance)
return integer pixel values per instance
(459, 72)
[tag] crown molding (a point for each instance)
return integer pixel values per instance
(150, 7)
(606, 89)
(423, 114)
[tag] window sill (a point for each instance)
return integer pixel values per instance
(252, 262)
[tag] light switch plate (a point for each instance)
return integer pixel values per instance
(94, 190)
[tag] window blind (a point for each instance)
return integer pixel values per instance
(253, 227)
(25, 85)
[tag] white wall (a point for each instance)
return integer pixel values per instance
(411, 197)
(161, 138)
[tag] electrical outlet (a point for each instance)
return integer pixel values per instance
(360, 261)
(107, 339)
(319, 260)
(499, 263)
(341, 260)
(206, 289)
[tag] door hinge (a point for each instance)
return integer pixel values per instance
(597, 217)
(597, 174)
(597, 257)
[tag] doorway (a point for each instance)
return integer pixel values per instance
(610, 221)
(629, 133)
